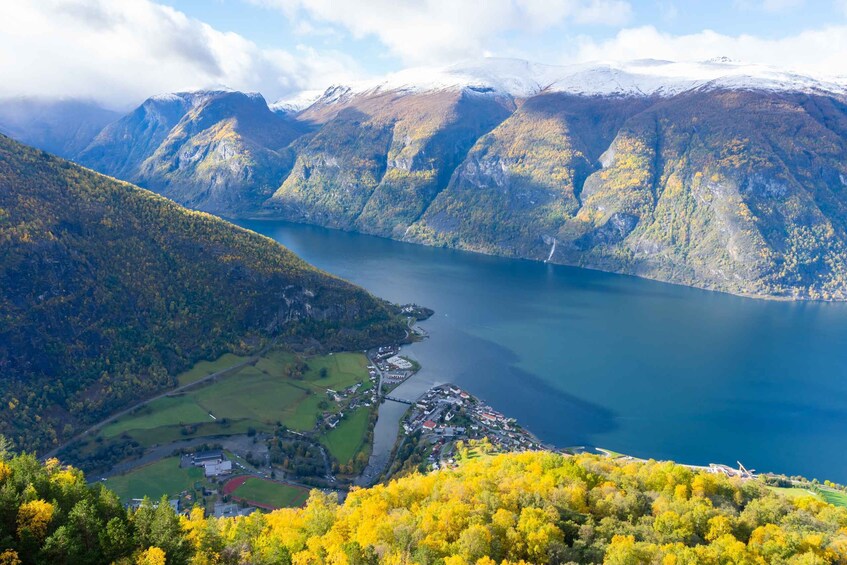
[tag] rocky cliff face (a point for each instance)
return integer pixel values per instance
(736, 190)
(216, 151)
(377, 162)
(716, 175)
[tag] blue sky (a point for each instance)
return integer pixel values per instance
(273, 27)
(121, 51)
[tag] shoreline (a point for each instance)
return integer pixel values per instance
(553, 262)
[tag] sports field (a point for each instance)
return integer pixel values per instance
(265, 493)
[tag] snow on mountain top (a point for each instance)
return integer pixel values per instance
(645, 77)
(196, 97)
(297, 102)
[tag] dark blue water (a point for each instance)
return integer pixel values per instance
(588, 358)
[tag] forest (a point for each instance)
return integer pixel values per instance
(108, 291)
(532, 507)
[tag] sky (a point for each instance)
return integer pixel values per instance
(119, 52)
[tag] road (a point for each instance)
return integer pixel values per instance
(113, 417)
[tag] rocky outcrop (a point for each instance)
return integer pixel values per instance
(216, 151)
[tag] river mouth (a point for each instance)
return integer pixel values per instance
(589, 358)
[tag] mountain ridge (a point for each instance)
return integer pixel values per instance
(643, 77)
(704, 178)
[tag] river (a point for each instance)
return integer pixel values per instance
(588, 358)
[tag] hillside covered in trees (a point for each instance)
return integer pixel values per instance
(107, 291)
(530, 507)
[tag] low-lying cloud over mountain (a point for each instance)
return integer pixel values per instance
(119, 53)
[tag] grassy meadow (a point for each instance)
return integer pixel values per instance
(348, 437)
(164, 477)
(280, 388)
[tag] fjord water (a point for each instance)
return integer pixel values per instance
(587, 358)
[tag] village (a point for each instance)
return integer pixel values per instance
(446, 415)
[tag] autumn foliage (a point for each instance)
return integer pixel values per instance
(514, 508)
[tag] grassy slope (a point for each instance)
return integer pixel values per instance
(343, 370)
(836, 498)
(166, 411)
(107, 290)
(206, 368)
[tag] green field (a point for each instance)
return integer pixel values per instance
(275, 362)
(164, 477)
(256, 396)
(343, 370)
(305, 414)
(167, 411)
(834, 497)
(206, 368)
(168, 434)
(252, 395)
(794, 492)
(348, 437)
(272, 493)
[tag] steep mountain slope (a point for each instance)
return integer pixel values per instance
(522, 181)
(219, 151)
(733, 190)
(377, 161)
(715, 174)
(107, 291)
(63, 127)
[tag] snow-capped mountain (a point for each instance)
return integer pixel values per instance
(715, 174)
(297, 102)
(645, 77)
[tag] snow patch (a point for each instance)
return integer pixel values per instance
(198, 97)
(644, 77)
(296, 103)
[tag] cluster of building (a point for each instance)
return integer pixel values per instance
(231, 510)
(448, 414)
(214, 462)
(394, 369)
(340, 396)
(349, 399)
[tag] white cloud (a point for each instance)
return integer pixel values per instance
(121, 52)
(440, 31)
(820, 52)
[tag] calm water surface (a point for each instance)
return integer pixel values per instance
(587, 358)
